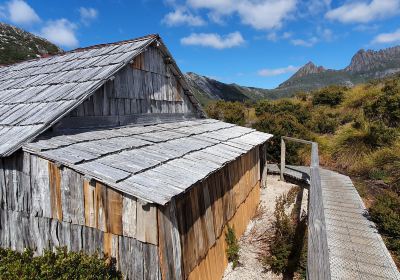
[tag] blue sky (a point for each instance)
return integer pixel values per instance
(249, 42)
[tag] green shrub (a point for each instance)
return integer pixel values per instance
(385, 212)
(286, 107)
(332, 96)
(323, 122)
(281, 245)
(232, 112)
(279, 125)
(386, 108)
(232, 250)
(288, 247)
(379, 135)
(58, 265)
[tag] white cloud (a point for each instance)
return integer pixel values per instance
(266, 14)
(260, 14)
(277, 71)
(274, 36)
(88, 14)
(385, 38)
(60, 32)
(21, 13)
(181, 17)
(305, 43)
(366, 28)
(325, 34)
(214, 40)
(317, 6)
(364, 11)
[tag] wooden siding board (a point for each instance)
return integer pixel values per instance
(146, 223)
(90, 203)
(129, 216)
(170, 253)
(115, 206)
(41, 205)
(72, 197)
(55, 191)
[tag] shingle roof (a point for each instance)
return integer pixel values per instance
(153, 163)
(37, 93)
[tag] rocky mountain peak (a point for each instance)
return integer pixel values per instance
(368, 60)
(307, 69)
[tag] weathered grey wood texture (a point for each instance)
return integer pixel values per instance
(146, 161)
(36, 94)
(145, 91)
(43, 206)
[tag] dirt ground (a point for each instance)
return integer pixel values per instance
(250, 267)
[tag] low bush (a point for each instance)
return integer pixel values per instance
(385, 212)
(231, 112)
(287, 251)
(386, 107)
(281, 246)
(232, 250)
(324, 122)
(291, 108)
(331, 96)
(56, 265)
(279, 125)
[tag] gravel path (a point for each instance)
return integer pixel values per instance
(250, 267)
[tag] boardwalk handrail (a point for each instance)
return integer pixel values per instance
(317, 252)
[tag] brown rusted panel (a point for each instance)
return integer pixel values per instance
(101, 207)
(55, 191)
(114, 217)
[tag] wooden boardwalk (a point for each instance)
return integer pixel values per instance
(355, 248)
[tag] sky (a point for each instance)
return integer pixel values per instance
(258, 43)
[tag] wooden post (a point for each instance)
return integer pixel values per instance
(283, 153)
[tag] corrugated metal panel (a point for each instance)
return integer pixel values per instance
(34, 94)
(153, 163)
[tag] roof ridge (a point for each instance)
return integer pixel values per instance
(98, 46)
(155, 35)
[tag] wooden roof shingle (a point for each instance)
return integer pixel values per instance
(36, 94)
(153, 163)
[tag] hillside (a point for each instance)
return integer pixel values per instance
(364, 66)
(18, 45)
(207, 89)
(358, 131)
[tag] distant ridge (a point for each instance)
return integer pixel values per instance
(364, 66)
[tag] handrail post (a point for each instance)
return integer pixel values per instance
(318, 266)
(283, 154)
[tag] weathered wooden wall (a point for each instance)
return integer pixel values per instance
(43, 206)
(201, 216)
(144, 91)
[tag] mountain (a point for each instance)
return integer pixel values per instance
(364, 66)
(18, 45)
(308, 69)
(206, 89)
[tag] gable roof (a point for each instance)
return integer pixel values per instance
(36, 94)
(153, 163)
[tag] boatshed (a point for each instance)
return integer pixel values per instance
(105, 149)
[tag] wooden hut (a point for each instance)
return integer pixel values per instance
(105, 149)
